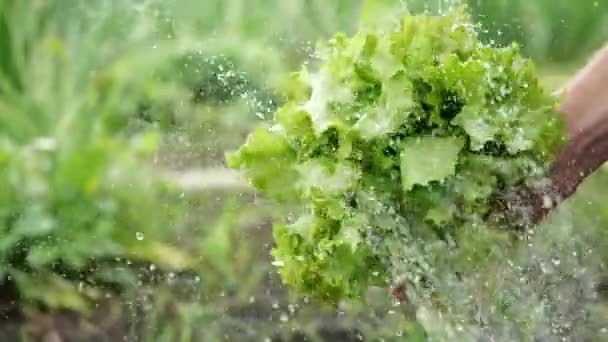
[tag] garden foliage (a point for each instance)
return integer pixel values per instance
(79, 203)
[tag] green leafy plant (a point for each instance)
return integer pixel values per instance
(79, 204)
(394, 148)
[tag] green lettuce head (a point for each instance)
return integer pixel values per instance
(393, 147)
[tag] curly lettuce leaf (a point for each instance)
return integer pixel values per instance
(428, 159)
(269, 160)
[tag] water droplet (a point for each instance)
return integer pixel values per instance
(556, 261)
(197, 279)
(152, 267)
(547, 202)
(139, 236)
(252, 299)
(284, 318)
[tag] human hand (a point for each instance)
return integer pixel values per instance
(585, 109)
(585, 96)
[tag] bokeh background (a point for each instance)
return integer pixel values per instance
(118, 218)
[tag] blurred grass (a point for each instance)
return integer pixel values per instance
(123, 89)
(555, 31)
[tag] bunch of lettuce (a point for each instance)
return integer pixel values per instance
(394, 147)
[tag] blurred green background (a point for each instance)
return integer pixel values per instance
(119, 220)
